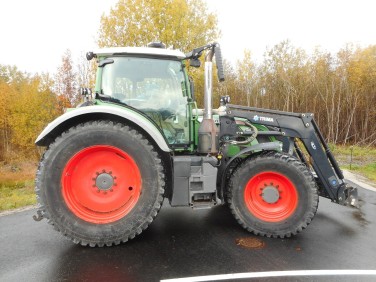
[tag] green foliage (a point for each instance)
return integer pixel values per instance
(16, 194)
(358, 159)
(17, 185)
(360, 153)
(368, 170)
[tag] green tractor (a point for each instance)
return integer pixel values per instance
(140, 138)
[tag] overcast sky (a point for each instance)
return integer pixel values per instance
(35, 34)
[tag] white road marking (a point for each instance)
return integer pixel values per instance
(8, 212)
(272, 274)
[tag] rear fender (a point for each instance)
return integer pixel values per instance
(84, 114)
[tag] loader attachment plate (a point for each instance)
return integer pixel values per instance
(348, 196)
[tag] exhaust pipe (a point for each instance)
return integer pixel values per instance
(208, 142)
(208, 91)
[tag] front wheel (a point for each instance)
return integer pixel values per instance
(273, 195)
(100, 183)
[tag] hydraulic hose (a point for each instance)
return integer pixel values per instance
(248, 140)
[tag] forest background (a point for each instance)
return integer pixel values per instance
(339, 88)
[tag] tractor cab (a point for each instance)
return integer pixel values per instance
(150, 80)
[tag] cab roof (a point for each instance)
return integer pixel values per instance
(157, 52)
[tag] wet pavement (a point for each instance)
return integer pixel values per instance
(183, 243)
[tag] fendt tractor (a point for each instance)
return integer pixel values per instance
(139, 138)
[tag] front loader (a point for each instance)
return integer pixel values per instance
(139, 138)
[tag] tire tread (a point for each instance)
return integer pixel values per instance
(113, 126)
(290, 161)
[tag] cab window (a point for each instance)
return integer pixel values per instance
(153, 86)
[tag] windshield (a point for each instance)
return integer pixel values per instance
(154, 86)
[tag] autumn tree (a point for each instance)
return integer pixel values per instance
(27, 105)
(30, 113)
(246, 75)
(86, 70)
(181, 24)
(6, 94)
(284, 66)
(360, 69)
(11, 80)
(65, 83)
(11, 75)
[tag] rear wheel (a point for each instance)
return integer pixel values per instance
(100, 183)
(273, 195)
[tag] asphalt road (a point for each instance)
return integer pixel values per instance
(183, 243)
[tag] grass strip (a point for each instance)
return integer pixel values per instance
(16, 194)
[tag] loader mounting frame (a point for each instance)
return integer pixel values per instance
(302, 126)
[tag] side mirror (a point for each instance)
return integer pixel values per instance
(89, 55)
(195, 63)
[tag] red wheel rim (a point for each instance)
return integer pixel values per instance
(101, 184)
(271, 196)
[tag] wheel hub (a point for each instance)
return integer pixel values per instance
(101, 184)
(104, 181)
(270, 194)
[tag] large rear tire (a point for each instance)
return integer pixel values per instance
(100, 183)
(273, 195)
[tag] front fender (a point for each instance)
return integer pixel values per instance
(269, 146)
(83, 114)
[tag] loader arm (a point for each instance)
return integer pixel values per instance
(329, 177)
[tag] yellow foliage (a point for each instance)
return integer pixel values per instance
(26, 106)
(182, 24)
(29, 113)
